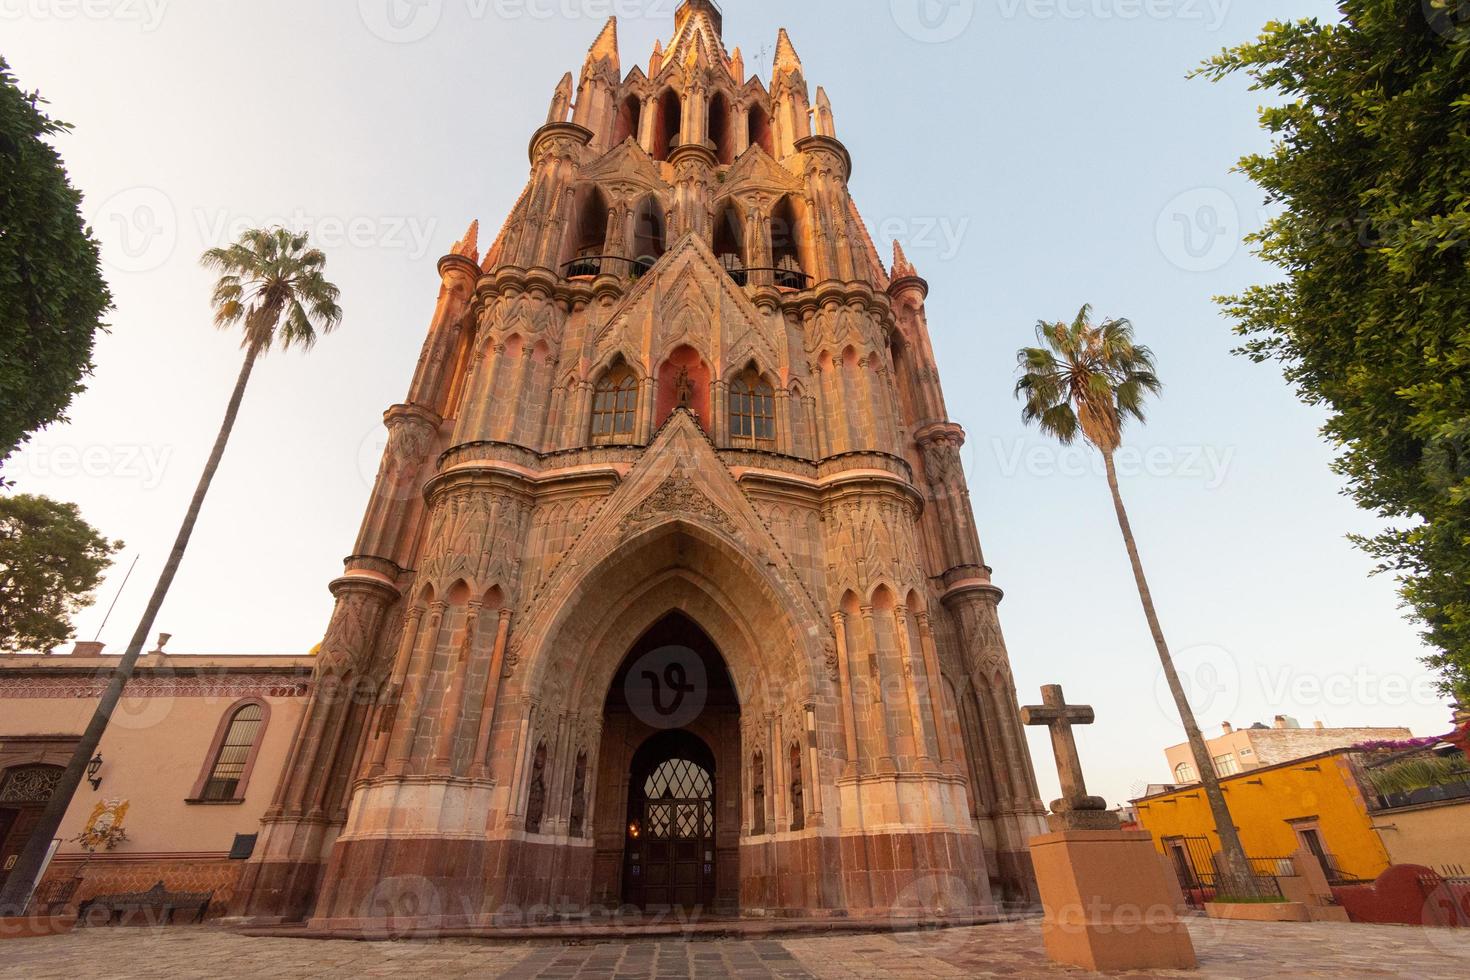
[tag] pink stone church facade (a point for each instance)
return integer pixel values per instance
(669, 592)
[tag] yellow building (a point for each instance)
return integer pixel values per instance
(1315, 804)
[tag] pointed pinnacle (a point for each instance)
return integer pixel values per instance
(902, 267)
(469, 245)
(786, 57)
(606, 45)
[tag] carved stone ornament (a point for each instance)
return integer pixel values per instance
(677, 495)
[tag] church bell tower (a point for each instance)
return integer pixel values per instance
(676, 438)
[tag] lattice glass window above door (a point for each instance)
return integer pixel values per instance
(679, 779)
(29, 784)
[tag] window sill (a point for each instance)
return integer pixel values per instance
(238, 802)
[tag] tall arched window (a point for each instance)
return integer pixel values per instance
(649, 240)
(233, 755)
(579, 797)
(1184, 773)
(752, 409)
(798, 792)
(719, 129)
(614, 406)
(787, 235)
(591, 233)
(670, 124)
(729, 243)
(629, 121)
(758, 795)
(536, 794)
(758, 128)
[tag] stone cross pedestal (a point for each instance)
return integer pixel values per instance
(1108, 898)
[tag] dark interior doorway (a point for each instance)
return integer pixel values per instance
(24, 792)
(674, 704)
(670, 860)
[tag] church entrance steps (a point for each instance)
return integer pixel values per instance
(649, 927)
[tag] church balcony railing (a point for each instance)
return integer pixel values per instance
(771, 276)
(591, 266)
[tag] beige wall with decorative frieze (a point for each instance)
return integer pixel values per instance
(157, 744)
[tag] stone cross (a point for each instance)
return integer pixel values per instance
(1059, 716)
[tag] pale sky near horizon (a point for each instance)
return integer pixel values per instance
(1032, 155)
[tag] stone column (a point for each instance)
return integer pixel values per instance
(814, 807)
(647, 410)
(281, 879)
(647, 120)
(412, 431)
(453, 707)
(782, 407)
(742, 129)
(935, 679)
(877, 709)
(844, 673)
(406, 724)
(922, 758)
(719, 410)
(481, 768)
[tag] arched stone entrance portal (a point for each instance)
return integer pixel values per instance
(669, 837)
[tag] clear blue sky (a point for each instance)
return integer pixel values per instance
(1033, 155)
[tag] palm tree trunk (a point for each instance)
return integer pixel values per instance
(22, 880)
(1236, 864)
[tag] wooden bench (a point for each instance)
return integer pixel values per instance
(159, 902)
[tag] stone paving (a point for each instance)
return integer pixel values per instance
(1247, 950)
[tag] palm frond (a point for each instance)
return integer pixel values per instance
(1085, 377)
(271, 283)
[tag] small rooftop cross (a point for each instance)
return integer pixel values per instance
(1059, 716)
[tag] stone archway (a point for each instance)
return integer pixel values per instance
(760, 632)
(668, 831)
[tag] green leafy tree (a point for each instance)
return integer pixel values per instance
(50, 561)
(1370, 166)
(1085, 379)
(273, 288)
(52, 294)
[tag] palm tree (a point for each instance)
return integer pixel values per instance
(271, 285)
(1089, 379)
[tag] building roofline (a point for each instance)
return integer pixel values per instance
(1304, 731)
(153, 664)
(1253, 773)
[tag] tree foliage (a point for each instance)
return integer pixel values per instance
(50, 561)
(1370, 164)
(1086, 378)
(52, 294)
(273, 285)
